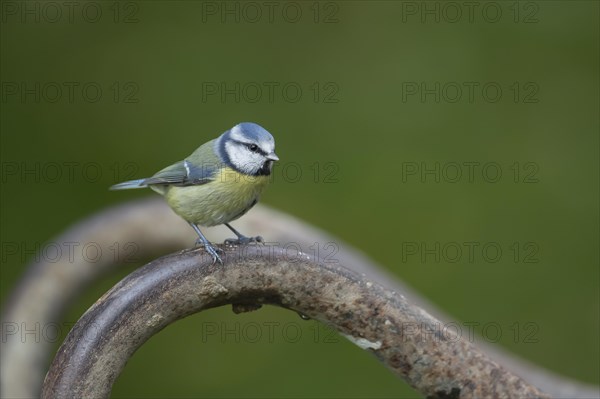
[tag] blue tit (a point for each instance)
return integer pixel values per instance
(217, 183)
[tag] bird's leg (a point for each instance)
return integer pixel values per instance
(241, 239)
(207, 245)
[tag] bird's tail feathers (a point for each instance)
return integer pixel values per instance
(139, 183)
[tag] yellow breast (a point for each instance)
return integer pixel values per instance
(226, 198)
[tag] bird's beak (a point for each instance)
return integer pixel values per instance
(272, 157)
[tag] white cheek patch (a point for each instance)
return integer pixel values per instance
(243, 160)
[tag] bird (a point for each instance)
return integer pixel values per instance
(218, 183)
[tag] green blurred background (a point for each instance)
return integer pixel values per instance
(362, 118)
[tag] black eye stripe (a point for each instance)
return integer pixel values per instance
(258, 149)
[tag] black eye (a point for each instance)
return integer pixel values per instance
(253, 147)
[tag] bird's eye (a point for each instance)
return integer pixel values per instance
(253, 147)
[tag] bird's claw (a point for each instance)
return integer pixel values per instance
(215, 255)
(243, 240)
(214, 252)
